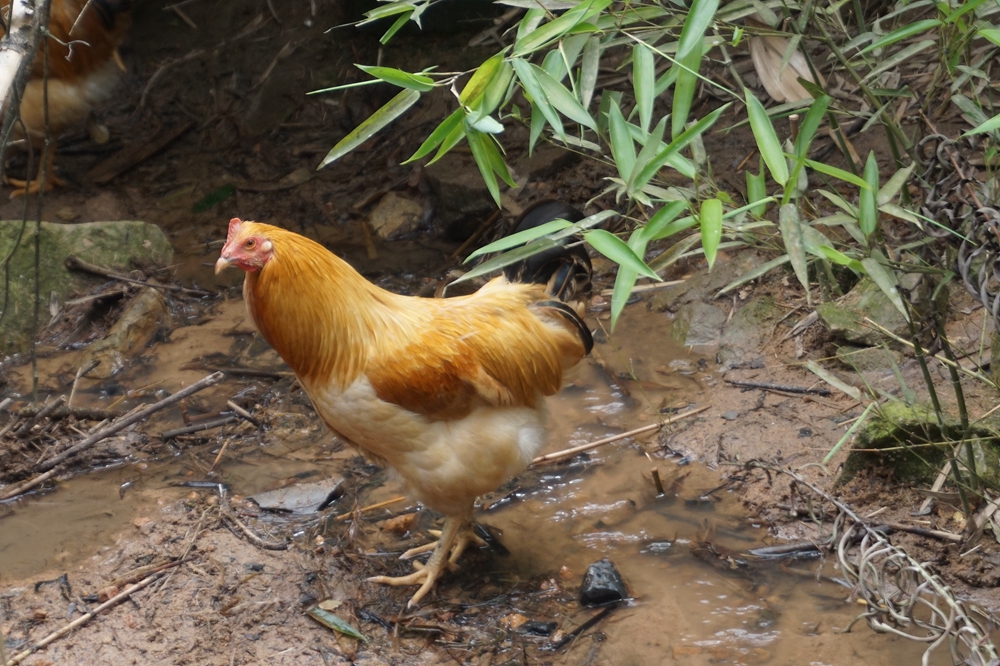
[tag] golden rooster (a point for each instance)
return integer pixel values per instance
(83, 69)
(449, 392)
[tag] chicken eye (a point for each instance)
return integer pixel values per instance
(250, 244)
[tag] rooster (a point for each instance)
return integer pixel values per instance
(83, 69)
(448, 392)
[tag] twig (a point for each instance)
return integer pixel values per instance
(242, 413)
(82, 413)
(642, 288)
(75, 263)
(198, 427)
(123, 423)
(39, 415)
(922, 531)
(184, 17)
(27, 485)
(372, 507)
(778, 387)
(80, 373)
(656, 482)
(83, 619)
(263, 543)
(569, 453)
(583, 627)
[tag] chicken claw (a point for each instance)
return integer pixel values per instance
(23, 187)
(455, 538)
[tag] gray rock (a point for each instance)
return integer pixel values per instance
(114, 245)
(129, 335)
(395, 215)
(748, 330)
(463, 200)
(845, 318)
(704, 284)
(698, 325)
(545, 162)
(868, 359)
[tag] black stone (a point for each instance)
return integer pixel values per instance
(602, 584)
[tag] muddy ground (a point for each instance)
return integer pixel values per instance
(247, 141)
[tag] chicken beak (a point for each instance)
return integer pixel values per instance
(222, 264)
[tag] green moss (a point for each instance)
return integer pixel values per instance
(914, 436)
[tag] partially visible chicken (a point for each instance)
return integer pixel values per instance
(449, 392)
(83, 69)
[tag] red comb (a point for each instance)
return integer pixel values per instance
(234, 228)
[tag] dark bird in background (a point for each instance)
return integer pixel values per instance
(565, 270)
(83, 69)
(449, 392)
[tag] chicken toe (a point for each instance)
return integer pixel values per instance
(455, 538)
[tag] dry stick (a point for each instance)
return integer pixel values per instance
(81, 413)
(922, 531)
(372, 507)
(80, 373)
(569, 453)
(242, 413)
(657, 482)
(27, 485)
(75, 263)
(39, 415)
(83, 619)
(198, 427)
(121, 424)
(266, 545)
(5, 403)
(222, 450)
(766, 386)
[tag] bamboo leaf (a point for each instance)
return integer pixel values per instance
(711, 228)
(867, 211)
(690, 47)
(840, 174)
(393, 109)
(886, 281)
(676, 145)
(830, 379)
(767, 140)
(839, 257)
(589, 66)
(562, 99)
(892, 187)
(791, 234)
(754, 273)
(478, 82)
(643, 82)
(622, 148)
(901, 34)
(331, 621)
(482, 147)
(402, 20)
(398, 77)
(526, 74)
(520, 238)
(617, 251)
(438, 135)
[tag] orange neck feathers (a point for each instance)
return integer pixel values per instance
(313, 308)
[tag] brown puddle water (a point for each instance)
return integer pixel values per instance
(685, 611)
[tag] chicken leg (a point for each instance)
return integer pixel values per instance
(455, 538)
(24, 187)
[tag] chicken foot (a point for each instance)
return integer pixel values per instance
(24, 187)
(455, 538)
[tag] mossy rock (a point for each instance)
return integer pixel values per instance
(915, 457)
(119, 246)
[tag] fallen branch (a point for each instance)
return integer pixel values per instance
(198, 427)
(123, 423)
(39, 415)
(569, 453)
(371, 507)
(254, 539)
(81, 413)
(75, 263)
(778, 387)
(83, 619)
(26, 486)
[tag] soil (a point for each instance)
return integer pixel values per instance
(243, 579)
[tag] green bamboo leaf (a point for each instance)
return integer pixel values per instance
(643, 82)
(480, 80)
(624, 282)
(539, 100)
(556, 28)
(833, 381)
(711, 228)
(690, 47)
(902, 33)
(791, 234)
(617, 251)
(898, 58)
(867, 211)
(438, 135)
(767, 140)
(510, 257)
(990, 125)
(840, 174)
(331, 621)
(757, 190)
(838, 257)
(520, 238)
(482, 147)
(659, 226)
(811, 123)
(991, 34)
(398, 77)
(497, 89)
(678, 144)
(391, 9)
(395, 27)
(894, 185)
(537, 125)
(622, 148)
(589, 66)
(562, 99)
(393, 109)
(454, 137)
(649, 151)
(886, 281)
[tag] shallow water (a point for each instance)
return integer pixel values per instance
(556, 520)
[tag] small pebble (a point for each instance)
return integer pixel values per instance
(731, 415)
